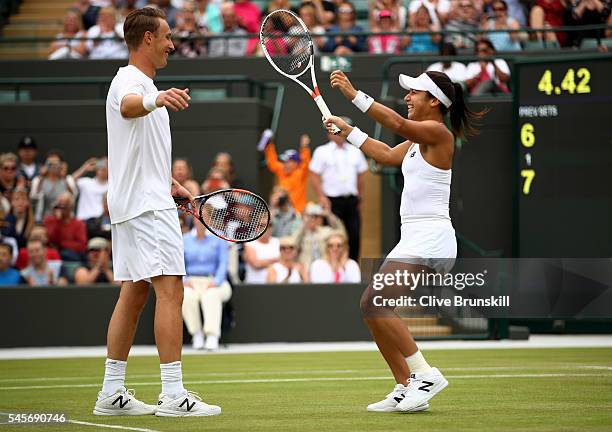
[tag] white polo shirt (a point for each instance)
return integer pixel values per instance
(338, 168)
(139, 151)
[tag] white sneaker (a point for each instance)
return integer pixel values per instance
(187, 404)
(421, 388)
(122, 403)
(389, 404)
(197, 341)
(212, 343)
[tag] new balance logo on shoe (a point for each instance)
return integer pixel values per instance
(426, 385)
(122, 404)
(159, 402)
(398, 399)
(186, 402)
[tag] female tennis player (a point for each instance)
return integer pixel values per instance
(427, 243)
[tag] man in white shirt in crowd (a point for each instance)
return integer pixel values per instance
(337, 172)
(91, 189)
(146, 236)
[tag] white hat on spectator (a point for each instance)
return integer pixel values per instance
(314, 209)
(97, 243)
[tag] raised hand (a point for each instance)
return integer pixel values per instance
(340, 81)
(344, 127)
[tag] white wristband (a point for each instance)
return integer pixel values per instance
(357, 137)
(362, 101)
(149, 101)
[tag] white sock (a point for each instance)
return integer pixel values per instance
(172, 379)
(417, 363)
(114, 376)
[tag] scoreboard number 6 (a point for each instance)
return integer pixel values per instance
(528, 141)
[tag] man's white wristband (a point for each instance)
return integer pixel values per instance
(363, 101)
(357, 137)
(149, 101)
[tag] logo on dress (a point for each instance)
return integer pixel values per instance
(412, 154)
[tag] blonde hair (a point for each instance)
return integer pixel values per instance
(332, 234)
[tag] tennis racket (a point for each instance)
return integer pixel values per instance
(235, 215)
(287, 44)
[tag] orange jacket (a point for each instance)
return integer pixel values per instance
(296, 182)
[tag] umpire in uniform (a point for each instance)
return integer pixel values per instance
(337, 172)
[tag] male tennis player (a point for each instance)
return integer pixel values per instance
(427, 243)
(147, 241)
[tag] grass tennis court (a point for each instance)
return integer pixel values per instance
(505, 389)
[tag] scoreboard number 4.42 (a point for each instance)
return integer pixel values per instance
(573, 82)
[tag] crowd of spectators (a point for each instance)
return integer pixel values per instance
(197, 24)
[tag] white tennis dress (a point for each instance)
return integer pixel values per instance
(146, 233)
(427, 235)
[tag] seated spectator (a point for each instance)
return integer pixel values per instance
(183, 173)
(456, 71)
(464, 21)
(100, 226)
(215, 180)
(98, 268)
(260, 254)
(8, 274)
(311, 236)
(335, 266)
(291, 171)
(589, 12)
(40, 271)
(345, 22)
(423, 43)
(38, 232)
(287, 269)
(21, 219)
(170, 11)
(487, 76)
(549, 13)
(27, 152)
(52, 181)
(397, 13)
(384, 44)
(64, 47)
(188, 35)
(285, 220)
(206, 286)
(224, 162)
(517, 10)
(308, 13)
(234, 47)
(503, 41)
(248, 16)
(438, 10)
(208, 15)
(66, 232)
(106, 37)
(91, 189)
(9, 181)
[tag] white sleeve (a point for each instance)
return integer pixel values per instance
(503, 66)
(129, 87)
(472, 70)
(362, 164)
(352, 273)
(317, 272)
(316, 164)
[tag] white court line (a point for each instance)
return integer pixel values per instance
(309, 372)
(312, 379)
(94, 424)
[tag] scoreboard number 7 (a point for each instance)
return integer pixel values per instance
(527, 140)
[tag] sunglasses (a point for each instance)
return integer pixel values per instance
(499, 9)
(335, 245)
(345, 10)
(9, 168)
(287, 248)
(466, 6)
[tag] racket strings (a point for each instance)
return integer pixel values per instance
(235, 215)
(287, 43)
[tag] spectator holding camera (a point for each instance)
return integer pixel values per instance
(40, 271)
(310, 239)
(285, 220)
(98, 267)
(91, 189)
(335, 266)
(291, 171)
(287, 269)
(8, 274)
(65, 231)
(52, 181)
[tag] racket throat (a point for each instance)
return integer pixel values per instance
(315, 93)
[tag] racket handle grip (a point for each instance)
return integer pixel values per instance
(326, 112)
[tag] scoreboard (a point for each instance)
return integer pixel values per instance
(563, 155)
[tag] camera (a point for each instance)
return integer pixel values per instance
(283, 200)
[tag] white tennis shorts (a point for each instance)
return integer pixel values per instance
(431, 243)
(148, 245)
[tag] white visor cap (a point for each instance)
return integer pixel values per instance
(424, 83)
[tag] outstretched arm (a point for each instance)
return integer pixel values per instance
(427, 132)
(132, 105)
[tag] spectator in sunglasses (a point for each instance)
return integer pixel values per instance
(345, 23)
(287, 269)
(335, 266)
(500, 20)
